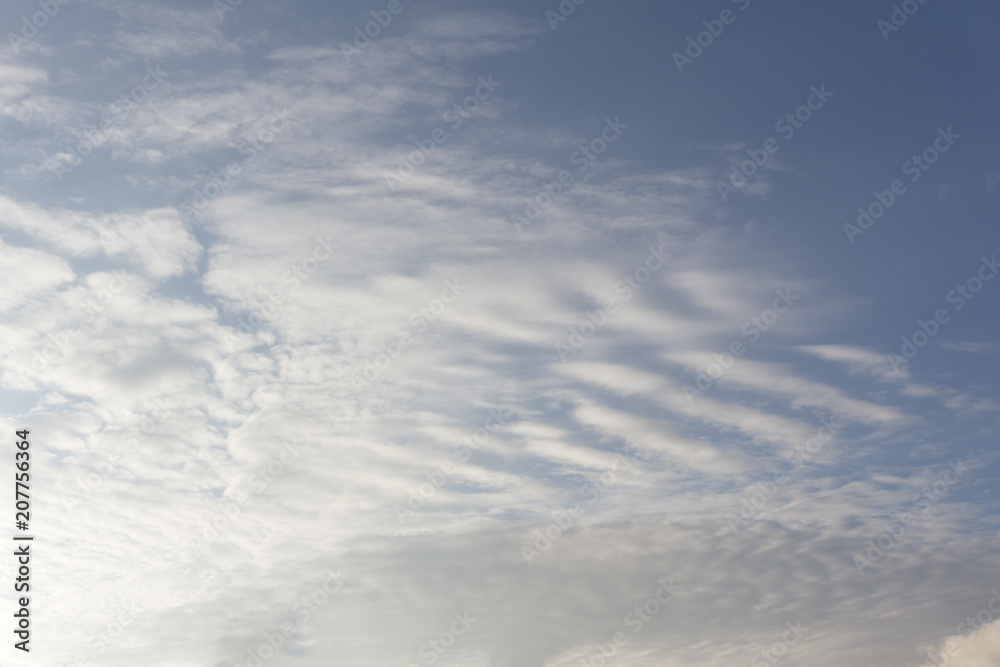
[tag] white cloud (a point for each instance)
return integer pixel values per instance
(154, 241)
(980, 648)
(859, 361)
(176, 413)
(156, 32)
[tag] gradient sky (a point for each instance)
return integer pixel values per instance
(266, 343)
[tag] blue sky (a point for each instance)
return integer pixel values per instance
(462, 346)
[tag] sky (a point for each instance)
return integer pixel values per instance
(527, 334)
